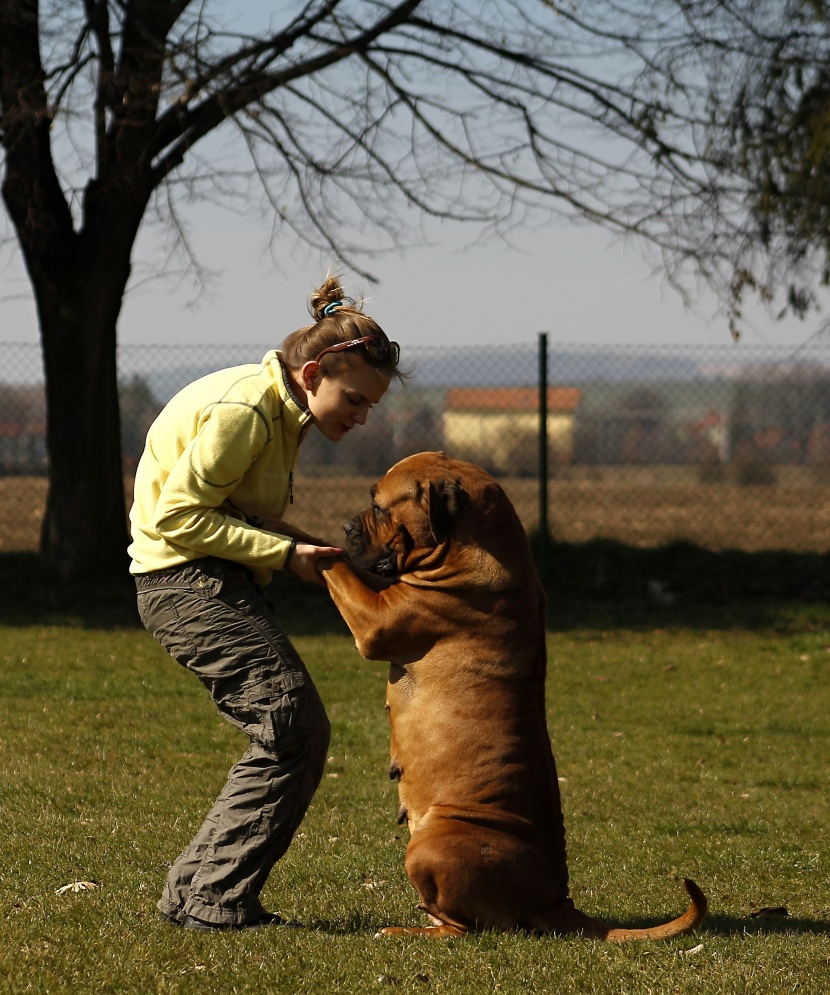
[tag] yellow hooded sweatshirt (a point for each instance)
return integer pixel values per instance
(221, 452)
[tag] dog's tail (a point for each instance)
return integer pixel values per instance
(691, 919)
(574, 921)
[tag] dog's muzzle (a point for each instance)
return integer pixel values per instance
(382, 562)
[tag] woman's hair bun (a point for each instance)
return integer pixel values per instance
(331, 292)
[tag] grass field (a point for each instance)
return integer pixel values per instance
(690, 743)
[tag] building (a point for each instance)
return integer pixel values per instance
(498, 427)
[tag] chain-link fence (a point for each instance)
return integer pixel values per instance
(725, 448)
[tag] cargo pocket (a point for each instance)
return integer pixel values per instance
(268, 708)
(160, 617)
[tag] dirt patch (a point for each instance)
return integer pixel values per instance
(643, 509)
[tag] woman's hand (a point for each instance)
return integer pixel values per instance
(303, 561)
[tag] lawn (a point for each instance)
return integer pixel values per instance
(691, 742)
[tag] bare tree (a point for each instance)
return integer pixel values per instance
(354, 114)
(738, 130)
(774, 141)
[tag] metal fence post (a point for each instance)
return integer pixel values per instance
(544, 534)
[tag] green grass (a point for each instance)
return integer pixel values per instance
(690, 743)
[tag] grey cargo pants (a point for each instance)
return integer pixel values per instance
(213, 619)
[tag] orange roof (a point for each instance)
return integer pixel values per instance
(511, 398)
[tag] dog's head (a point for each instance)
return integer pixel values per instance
(424, 506)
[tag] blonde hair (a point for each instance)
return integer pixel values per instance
(337, 318)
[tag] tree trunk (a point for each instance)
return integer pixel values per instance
(79, 286)
(84, 531)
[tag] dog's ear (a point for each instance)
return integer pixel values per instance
(445, 507)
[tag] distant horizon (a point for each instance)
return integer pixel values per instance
(167, 367)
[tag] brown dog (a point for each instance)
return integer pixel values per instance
(461, 618)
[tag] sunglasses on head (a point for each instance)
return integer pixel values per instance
(378, 348)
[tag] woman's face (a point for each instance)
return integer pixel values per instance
(338, 401)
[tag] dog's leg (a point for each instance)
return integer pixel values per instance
(470, 876)
(444, 930)
(380, 613)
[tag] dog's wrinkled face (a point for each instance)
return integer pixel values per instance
(408, 518)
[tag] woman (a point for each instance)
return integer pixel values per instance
(210, 489)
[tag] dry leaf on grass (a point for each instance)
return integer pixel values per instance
(77, 886)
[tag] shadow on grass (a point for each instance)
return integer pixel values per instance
(358, 925)
(719, 925)
(765, 926)
(669, 574)
(355, 925)
(31, 595)
(598, 585)
(608, 585)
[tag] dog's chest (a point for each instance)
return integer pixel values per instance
(401, 686)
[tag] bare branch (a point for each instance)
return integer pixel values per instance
(684, 125)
